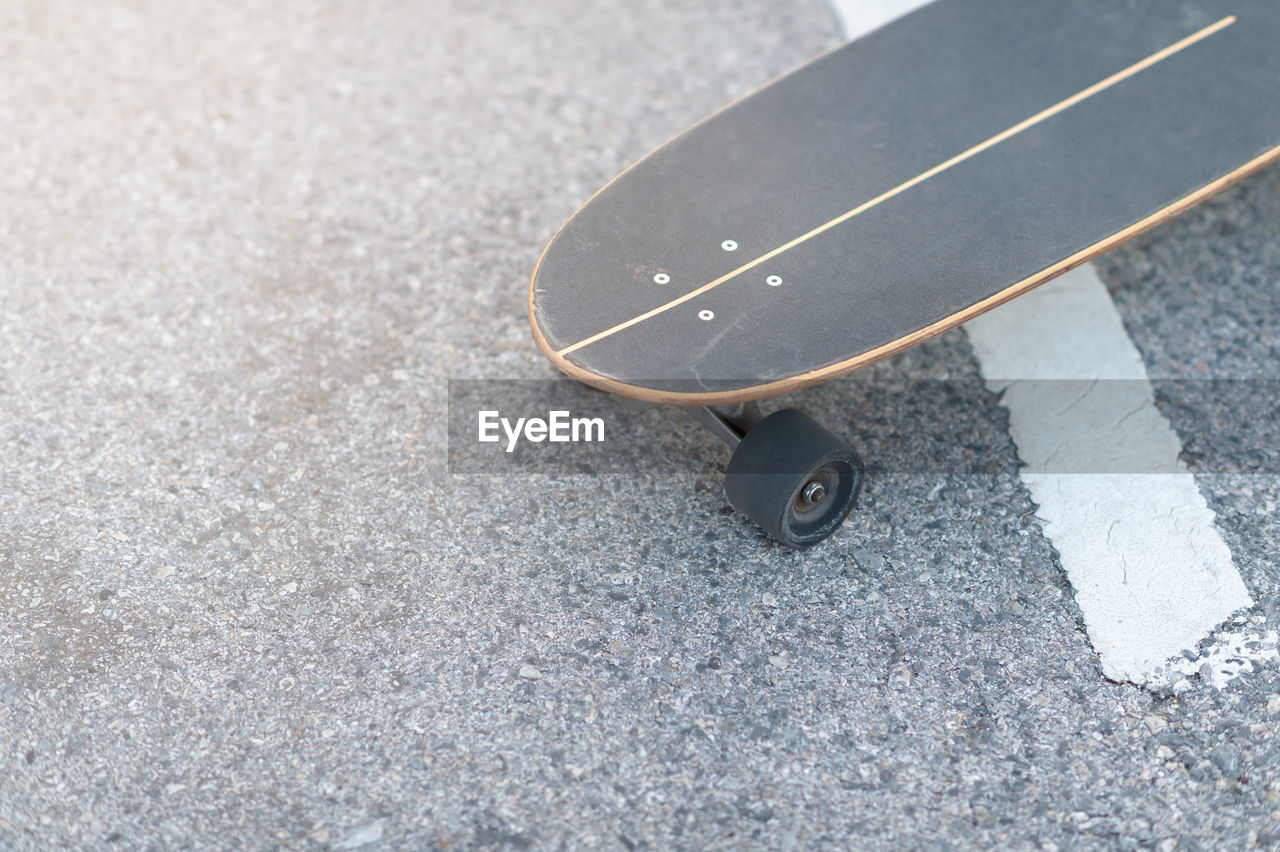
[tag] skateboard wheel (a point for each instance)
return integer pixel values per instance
(794, 478)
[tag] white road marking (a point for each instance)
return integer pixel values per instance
(1134, 534)
(859, 17)
(1153, 577)
(1233, 653)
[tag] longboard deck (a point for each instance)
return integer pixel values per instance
(900, 185)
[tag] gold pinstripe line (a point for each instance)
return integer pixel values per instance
(1039, 117)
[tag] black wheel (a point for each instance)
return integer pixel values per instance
(793, 478)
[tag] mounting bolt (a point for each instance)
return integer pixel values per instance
(813, 493)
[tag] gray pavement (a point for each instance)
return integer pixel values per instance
(244, 246)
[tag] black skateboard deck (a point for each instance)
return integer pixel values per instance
(891, 190)
(902, 184)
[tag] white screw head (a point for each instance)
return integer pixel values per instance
(773, 280)
(729, 245)
(706, 315)
(662, 278)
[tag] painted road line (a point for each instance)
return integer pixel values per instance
(859, 17)
(1233, 652)
(1152, 576)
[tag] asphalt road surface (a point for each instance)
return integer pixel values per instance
(244, 604)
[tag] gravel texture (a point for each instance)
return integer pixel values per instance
(243, 604)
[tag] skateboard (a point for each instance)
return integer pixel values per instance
(886, 192)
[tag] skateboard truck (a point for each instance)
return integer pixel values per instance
(788, 474)
(727, 422)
